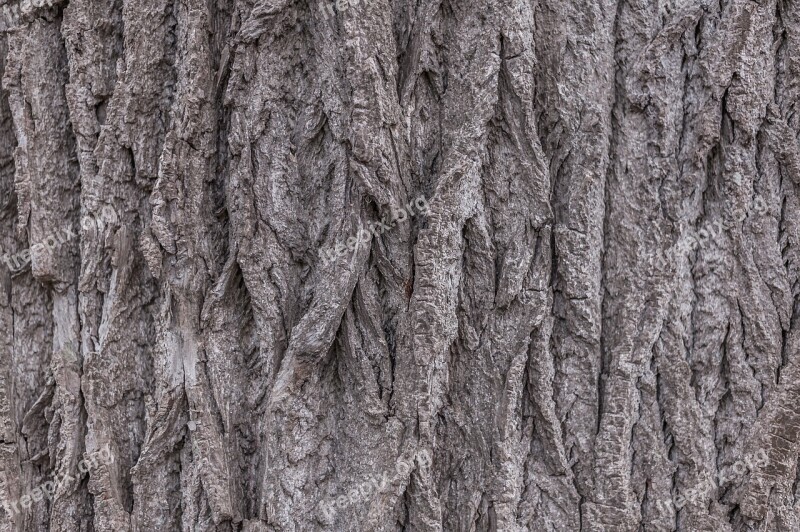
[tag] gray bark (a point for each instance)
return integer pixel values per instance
(586, 321)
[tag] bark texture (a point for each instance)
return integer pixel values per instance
(586, 320)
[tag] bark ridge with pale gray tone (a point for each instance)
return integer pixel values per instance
(593, 326)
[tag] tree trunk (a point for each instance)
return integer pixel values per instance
(496, 265)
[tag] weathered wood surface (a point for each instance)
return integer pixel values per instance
(379, 266)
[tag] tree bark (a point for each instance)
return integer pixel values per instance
(486, 265)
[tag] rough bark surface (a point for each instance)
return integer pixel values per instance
(587, 318)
